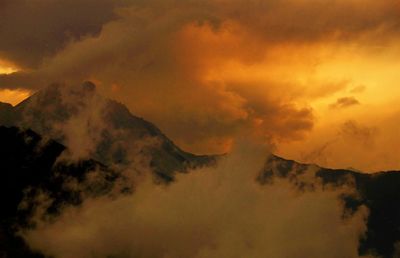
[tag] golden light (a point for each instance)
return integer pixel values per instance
(13, 96)
(7, 95)
(7, 68)
(314, 75)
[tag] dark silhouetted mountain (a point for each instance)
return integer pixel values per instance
(28, 169)
(99, 128)
(6, 113)
(379, 192)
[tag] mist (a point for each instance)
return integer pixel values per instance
(213, 212)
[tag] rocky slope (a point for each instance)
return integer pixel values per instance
(31, 179)
(100, 128)
(379, 192)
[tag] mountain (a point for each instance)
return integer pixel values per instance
(379, 192)
(31, 166)
(6, 113)
(29, 172)
(100, 128)
(67, 142)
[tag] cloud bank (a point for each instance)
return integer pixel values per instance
(215, 212)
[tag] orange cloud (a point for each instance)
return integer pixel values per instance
(13, 96)
(207, 72)
(7, 67)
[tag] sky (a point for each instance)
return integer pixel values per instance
(315, 79)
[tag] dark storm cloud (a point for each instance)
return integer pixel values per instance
(31, 31)
(313, 20)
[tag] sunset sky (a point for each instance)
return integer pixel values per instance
(317, 80)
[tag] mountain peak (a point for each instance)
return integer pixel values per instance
(92, 126)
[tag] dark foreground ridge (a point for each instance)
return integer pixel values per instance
(379, 192)
(28, 168)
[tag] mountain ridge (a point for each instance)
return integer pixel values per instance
(106, 127)
(379, 192)
(112, 138)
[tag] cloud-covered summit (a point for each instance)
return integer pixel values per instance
(92, 126)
